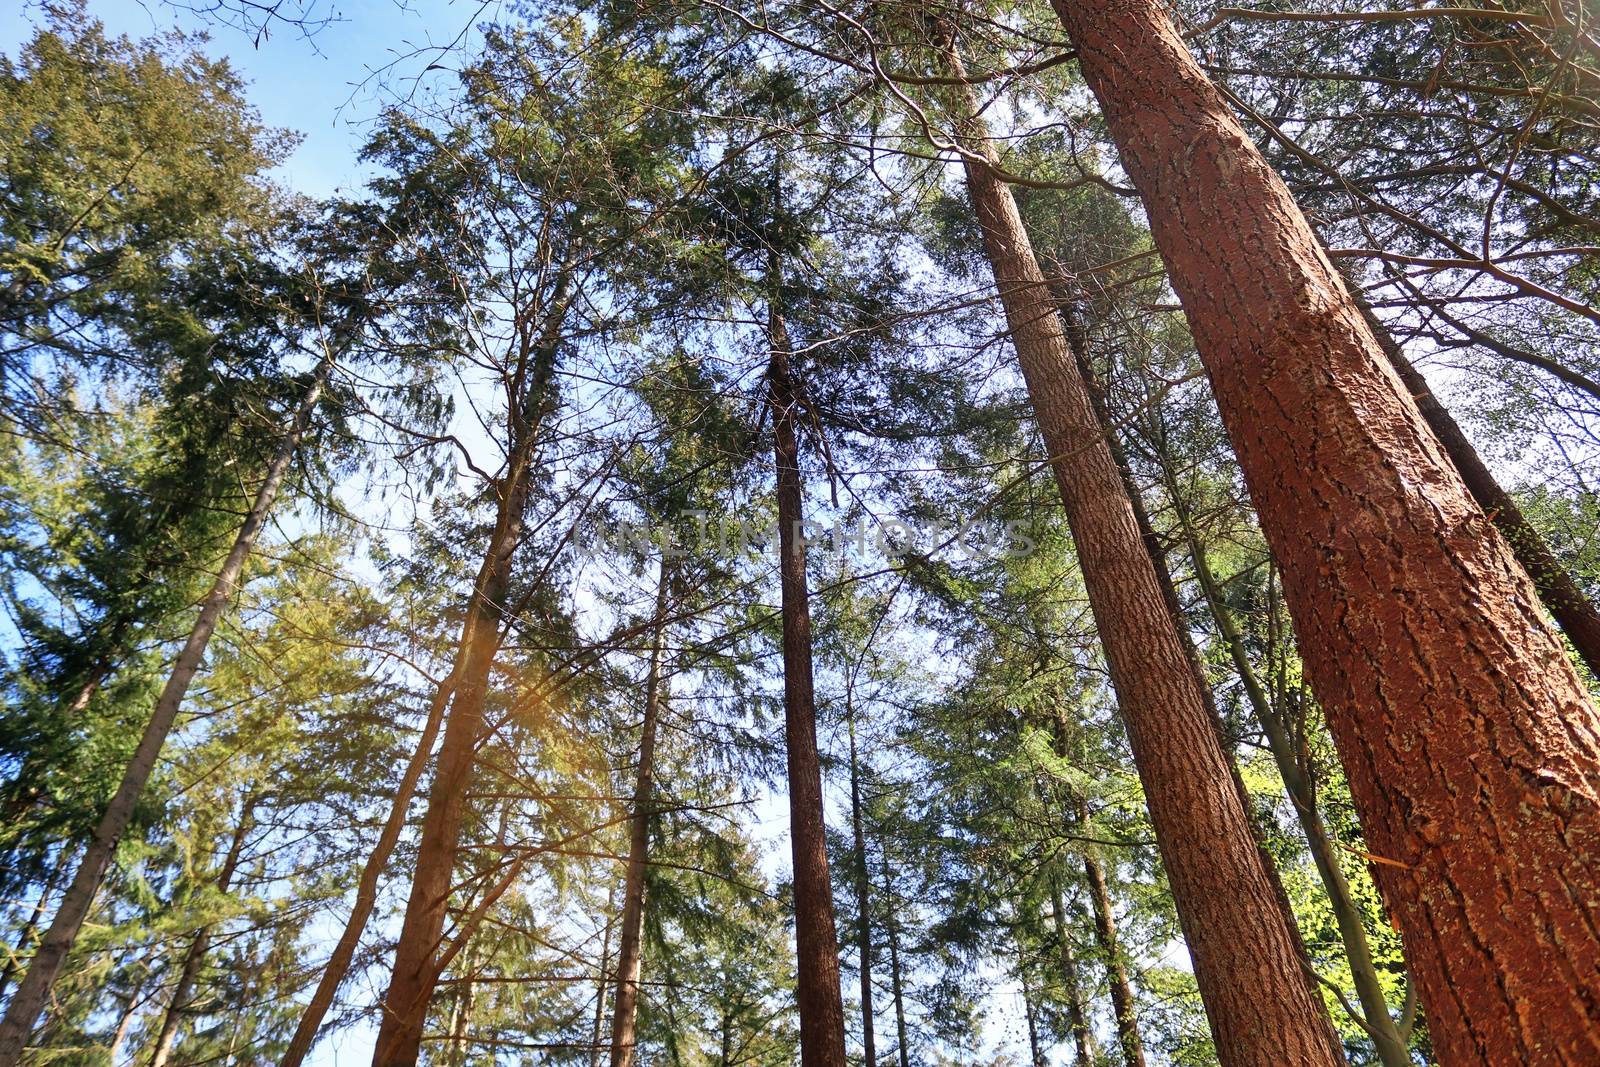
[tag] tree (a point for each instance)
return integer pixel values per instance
(1389, 569)
(1223, 891)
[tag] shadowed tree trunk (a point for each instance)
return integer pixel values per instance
(1464, 730)
(821, 1005)
(199, 945)
(869, 1048)
(1077, 1017)
(34, 991)
(1262, 1005)
(623, 1026)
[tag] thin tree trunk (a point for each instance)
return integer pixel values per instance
(1470, 745)
(1387, 1038)
(820, 1003)
(596, 1051)
(199, 945)
(1077, 1017)
(119, 1037)
(338, 965)
(869, 1047)
(1105, 933)
(34, 992)
(1035, 1053)
(892, 928)
(416, 971)
(1262, 1005)
(466, 995)
(32, 925)
(624, 1031)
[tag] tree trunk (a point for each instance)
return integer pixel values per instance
(32, 925)
(820, 1003)
(199, 945)
(1470, 745)
(624, 1036)
(1077, 1017)
(869, 1047)
(416, 971)
(1105, 933)
(1035, 1053)
(1260, 1001)
(892, 928)
(596, 1052)
(411, 984)
(338, 965)
(1386, 1036)
(461, 1019)
(32, 994)
(1560, 595)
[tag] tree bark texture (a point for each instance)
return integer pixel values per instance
(1470, 745)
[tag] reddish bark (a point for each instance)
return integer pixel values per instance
(1470, 745)
(1261, 1003)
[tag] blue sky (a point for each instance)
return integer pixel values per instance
(327, 87)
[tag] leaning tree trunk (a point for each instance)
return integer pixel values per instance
(1262, 1005)
(338, 965)
(1470, 745)
(415, 973)
(1077, 1017)
(199, 946)
(821, 1006)
(416, 966)
(624, 1029)
(34, 991)
(1560, 595)
(869, 1048)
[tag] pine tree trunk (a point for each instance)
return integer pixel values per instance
(1567, 604)
(34, 992)
(892, 928)
(624, 1035)
(416, 971)
(338, 965)
(1261, 1003)
(199, 945)
(1077, 1017)
(412, 981)
(1387, 1039)
(1470, 745)
(820, 1002)
(869, 1047)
